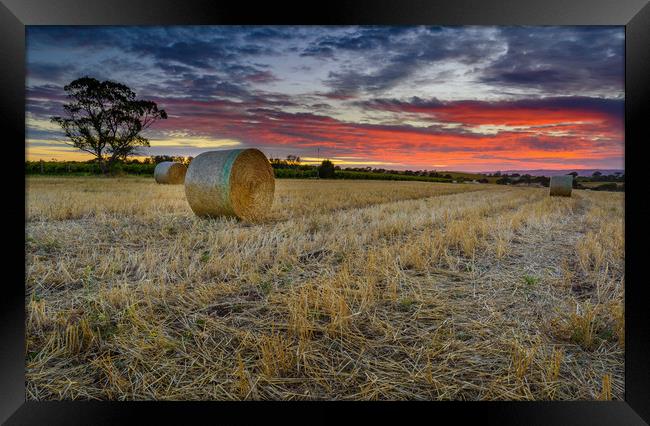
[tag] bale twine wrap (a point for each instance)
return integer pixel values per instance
(170, 172)
(561, 186)
(235, 182)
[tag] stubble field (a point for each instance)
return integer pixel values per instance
(348, 290)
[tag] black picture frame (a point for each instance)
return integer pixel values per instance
(633, 14)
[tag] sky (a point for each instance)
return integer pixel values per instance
(467, 98)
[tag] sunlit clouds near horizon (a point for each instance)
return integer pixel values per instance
(468, 98)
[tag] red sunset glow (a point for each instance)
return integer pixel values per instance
(323, 91)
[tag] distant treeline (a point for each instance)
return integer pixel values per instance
(351, 174)
(292, 167)
(289, 168)
(610, 186)
(143, 166)
(76, 168)
(293, 162)
(523, 180)
(595, 177)
(614, 182)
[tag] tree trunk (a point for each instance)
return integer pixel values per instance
(111, 164)
(102, 166)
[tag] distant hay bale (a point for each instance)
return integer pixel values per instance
(170, 172)
(561, 186)
(235, 182)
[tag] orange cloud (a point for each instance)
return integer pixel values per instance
(582, 133)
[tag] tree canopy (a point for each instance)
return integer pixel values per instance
(326, 170)
(105, 119)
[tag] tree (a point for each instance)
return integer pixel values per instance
(105, 119)
(326, 170)
(574, 174)
(293, 160)
(596, 174)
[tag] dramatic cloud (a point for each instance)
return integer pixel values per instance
(536, 111)
(468, 98)
(561, 59)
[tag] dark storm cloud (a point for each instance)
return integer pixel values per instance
(613, 107)
(321, 106)
(48, 71)
(173, 50)
(45, 135)
(265, 34)
(196, 53)
(173, 68)
(550, 59)
(352, 81)
(217, 48)
(208, 86)
(543, 143)
(247, 73)
(364, 39)
(76, 36)
(397, 104)
(560, 59)
(397, 53)
(270, 116)
(44, 96)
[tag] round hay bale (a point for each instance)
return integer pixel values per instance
(561, 186)
(170, 172)
(235, 182)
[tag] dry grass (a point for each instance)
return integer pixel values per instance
(349, 290)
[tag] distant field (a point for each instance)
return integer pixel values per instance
(597, 184)
(348, 290)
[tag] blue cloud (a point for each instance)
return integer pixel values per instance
(560, 59)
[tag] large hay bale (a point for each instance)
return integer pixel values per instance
(234, 182)
(170, 172)
(561, 186)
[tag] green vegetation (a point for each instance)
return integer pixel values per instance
(530, 280)
(295, 174)
(600, 182)
(517, 179)
(597, 181)
(326, 170)
(603, 186)
(75, 168)
(145, 166)
(293, 168)
(406, 303)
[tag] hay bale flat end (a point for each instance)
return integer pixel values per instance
(561, 186)
(170, 172)
(232, 183)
